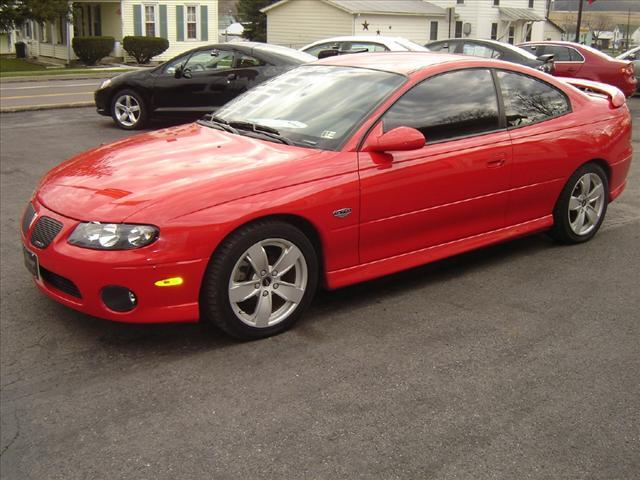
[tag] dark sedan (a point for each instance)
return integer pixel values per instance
(197, 81)
(493, 49)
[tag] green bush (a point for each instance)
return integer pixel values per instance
(144, 49)
(91, 49)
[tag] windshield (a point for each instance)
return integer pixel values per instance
(313, 105)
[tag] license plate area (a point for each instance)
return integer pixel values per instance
(31, 262)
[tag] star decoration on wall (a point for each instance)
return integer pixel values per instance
(365, 25)
(377, 32)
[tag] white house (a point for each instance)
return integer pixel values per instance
(186, 24)
(553, 31)
(511, 21)
(295, 23)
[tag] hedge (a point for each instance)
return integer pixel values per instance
(144, 49)
(91, 49)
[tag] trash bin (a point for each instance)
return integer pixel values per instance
(21, 50)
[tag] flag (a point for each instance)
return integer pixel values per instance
(591, 2)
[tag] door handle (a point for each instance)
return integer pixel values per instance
(497, 161)
(231, 77)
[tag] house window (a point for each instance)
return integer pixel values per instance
(530, 3)
(512, 35)
(150, 20)
(494, 31)
(191, 22)
(433, 31)
(496, 3)
(458, 33)
(460, 2)
(62, 30)
(528, 36)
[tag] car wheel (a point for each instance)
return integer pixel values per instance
(582, 205)
(260, 280)
(129, 110)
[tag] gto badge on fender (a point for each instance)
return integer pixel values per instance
(341, 213)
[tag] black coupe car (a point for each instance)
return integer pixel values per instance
(492, 49)
(198, 81)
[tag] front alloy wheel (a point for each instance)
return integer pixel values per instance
(128, 110)
(260, 280)
(268, 282)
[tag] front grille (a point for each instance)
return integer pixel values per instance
(60, 283)
(45, 231)
(27, 218)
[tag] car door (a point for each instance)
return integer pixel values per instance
(567, 61)
(534, 111)
(452, 188)
(203, 84)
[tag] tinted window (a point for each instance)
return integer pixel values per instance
(527, 100)
(361, 46)
(208, 60)
(560, 54)
(477, 50)
(245, 61)
(575, 55)
(318, 48)
(451, 105)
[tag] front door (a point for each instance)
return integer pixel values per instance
(207, 81)
(452, 188)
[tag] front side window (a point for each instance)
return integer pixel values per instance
(319, 48)
(245, 61)
(477, 50)
(191, 21)
(448, 106)
(362, 46)
(150, 20)
(209, 60)
(528, 100)
(296, 103)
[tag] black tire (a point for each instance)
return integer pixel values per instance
(562, 230)
(133, 99)
(215, 302)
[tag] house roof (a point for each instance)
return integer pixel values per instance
(597, 6)
(395, 7)
(556, 26)
(520, 14)
(622, 27)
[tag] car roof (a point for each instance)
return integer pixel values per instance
(359, 38)
(507, 46)
(403, 63)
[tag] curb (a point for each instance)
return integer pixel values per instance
(52, 106)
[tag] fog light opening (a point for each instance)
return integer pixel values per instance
(119, 299)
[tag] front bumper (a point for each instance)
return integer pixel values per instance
(63, 265)
(101, 97)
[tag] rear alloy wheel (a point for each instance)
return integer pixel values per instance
(582, 205)
(128, 110)
(261, 280)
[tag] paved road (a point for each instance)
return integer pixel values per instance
(47, 93)
(519, 361)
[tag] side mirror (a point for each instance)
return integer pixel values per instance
(546, 57)
(398, 139)
(328, 53)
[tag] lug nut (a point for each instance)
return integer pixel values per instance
(265, 293)
(275, 285)
(263, 273)
(274, 273)
(257, 285)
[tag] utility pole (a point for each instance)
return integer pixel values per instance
(577, 40)
(626, 46)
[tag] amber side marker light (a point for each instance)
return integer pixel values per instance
(170, 282)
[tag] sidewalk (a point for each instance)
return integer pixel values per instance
(74, 74)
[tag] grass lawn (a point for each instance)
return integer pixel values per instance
(11, 64)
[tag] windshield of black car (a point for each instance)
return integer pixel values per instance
(314, 105)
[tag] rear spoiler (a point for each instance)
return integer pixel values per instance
(615, 95)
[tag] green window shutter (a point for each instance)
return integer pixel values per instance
(137, 20)
(204, 23)
(179, 23)
(163, 21)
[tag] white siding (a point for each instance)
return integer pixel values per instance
(414, 28)
(175, 47)
(299, 22)
(482, 13)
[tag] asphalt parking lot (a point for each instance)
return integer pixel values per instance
(519, 361)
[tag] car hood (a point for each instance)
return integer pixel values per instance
(172, 172)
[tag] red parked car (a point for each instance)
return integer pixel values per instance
(335, 172)
(579, 61)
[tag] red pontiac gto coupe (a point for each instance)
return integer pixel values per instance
(336, 172)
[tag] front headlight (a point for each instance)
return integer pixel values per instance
(113, 236)
(106, 83)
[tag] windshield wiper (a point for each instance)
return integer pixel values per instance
(260, 129)
(211, 120)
